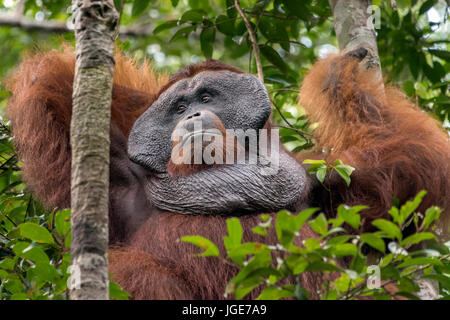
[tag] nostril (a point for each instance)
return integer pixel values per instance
(197, 114)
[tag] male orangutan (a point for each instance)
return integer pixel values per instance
(397, 151)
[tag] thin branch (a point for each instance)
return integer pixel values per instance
(252, 40)
(51, 26)
(288, 41)
(303, 134)
(3, 165)
(300, 132)
(116, 33)
(284, 89)
(10, 220)
(6, 237)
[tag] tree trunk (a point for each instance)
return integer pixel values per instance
(95, 23)
(354, 28)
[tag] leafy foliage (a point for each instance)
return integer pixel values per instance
(291, 35)
(34, 243)
(265, 268)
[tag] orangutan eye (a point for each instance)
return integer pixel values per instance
(181, 108)
(205, 98)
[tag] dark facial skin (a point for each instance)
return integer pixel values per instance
(239, 100)
(219, 99)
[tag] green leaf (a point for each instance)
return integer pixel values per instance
(174, 2)
(344, 171)
(210, 248)
(350, 214)
(116, 292)
(432, 214)
(260, 230)
(273, 57)
(19, 296)
(68, 240)
(7, 264)
(231, 9)
(445, 55)
(410, 206)
(14, 286)
(373, 241)
(386, 260)
(407, 285)
(417, 238)
(395, 214)
(297, 263)
(284, 227)
(418, 262)
(315, 165)
(298, 8)
(240, 252)
(62, 221)
(309, 161)
(35, 232)
(339, 239)
(344, 249)
(200, 4)
(321, 173)
(3, 275)
(302, 217)
(312, 244)
(35, 254)
(275, 293)
(225, 25)
(207, 37)
(164, 26)
(193, 16)
(139, 7)
(320, 225)
(250, 276)
(234, 237)
(388, 227)
(183, 32)
(44, 272)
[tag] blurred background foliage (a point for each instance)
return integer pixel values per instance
(413, 42)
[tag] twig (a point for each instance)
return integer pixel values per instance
(2, 166)
(116, 33)
(6, 237)
(10, 220)
(284, 89)
(251, 34)
(303, 134)
(288, 41)
(300, 132)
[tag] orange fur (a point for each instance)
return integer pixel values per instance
(40, 110)
(396, 148)
(156, 265)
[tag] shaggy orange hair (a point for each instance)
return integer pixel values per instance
(396, 148)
